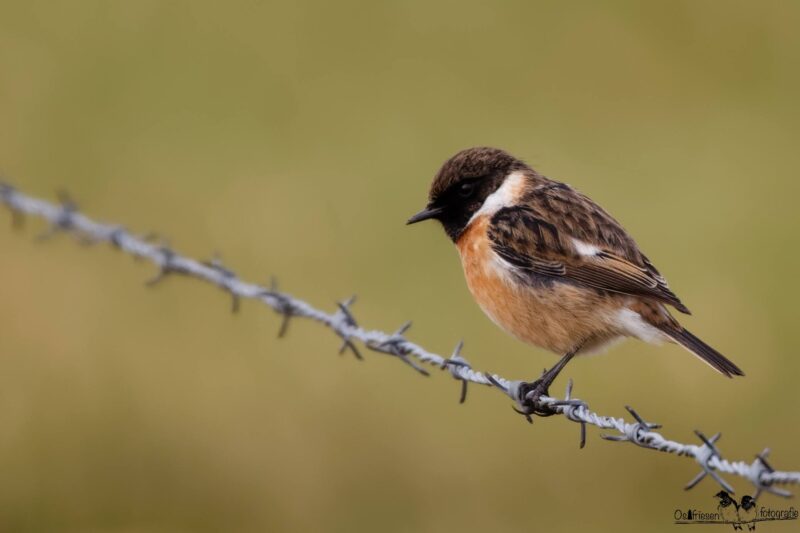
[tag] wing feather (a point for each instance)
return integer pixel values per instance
(538, 238)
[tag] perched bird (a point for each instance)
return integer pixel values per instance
(747, 512)
(728, 509)
(550, 266)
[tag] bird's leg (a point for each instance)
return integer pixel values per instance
(529, 393)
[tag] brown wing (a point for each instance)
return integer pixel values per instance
(553, 228)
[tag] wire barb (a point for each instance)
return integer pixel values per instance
(572, 410)
(761, 467)
(638, 433)
(166, 266)
(6, 190)
(228, 275)
(63, 221)
(281, 303)
(66, 217)
(17, 217)
(704, 457)
(454, 363)
(350, 321)
(115, 237)
(395, 345)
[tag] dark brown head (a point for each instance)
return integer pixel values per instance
(463, 184)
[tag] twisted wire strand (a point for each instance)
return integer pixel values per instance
(65, 217)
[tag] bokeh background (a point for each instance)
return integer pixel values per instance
(295, 138)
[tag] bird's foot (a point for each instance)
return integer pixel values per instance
(529, 395)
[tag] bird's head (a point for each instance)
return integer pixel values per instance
(722, 495)
(463, 184)
(748, 502)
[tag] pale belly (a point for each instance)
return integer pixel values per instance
(555, 316)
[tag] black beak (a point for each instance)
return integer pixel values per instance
(425, 214)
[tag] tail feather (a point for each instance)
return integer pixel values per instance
(716, 360)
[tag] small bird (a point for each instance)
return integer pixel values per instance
(747, 511)
(550, 266)
(729, 509)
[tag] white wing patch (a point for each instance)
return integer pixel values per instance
(585, 249)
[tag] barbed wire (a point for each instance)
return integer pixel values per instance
(65, 217)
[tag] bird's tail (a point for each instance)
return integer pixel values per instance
(709, 355)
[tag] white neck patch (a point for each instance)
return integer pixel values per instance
(505, 196)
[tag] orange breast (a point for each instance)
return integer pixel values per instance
(555, 316)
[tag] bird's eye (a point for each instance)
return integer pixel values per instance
(466, 189)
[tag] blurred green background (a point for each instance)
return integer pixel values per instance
(295, 138)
